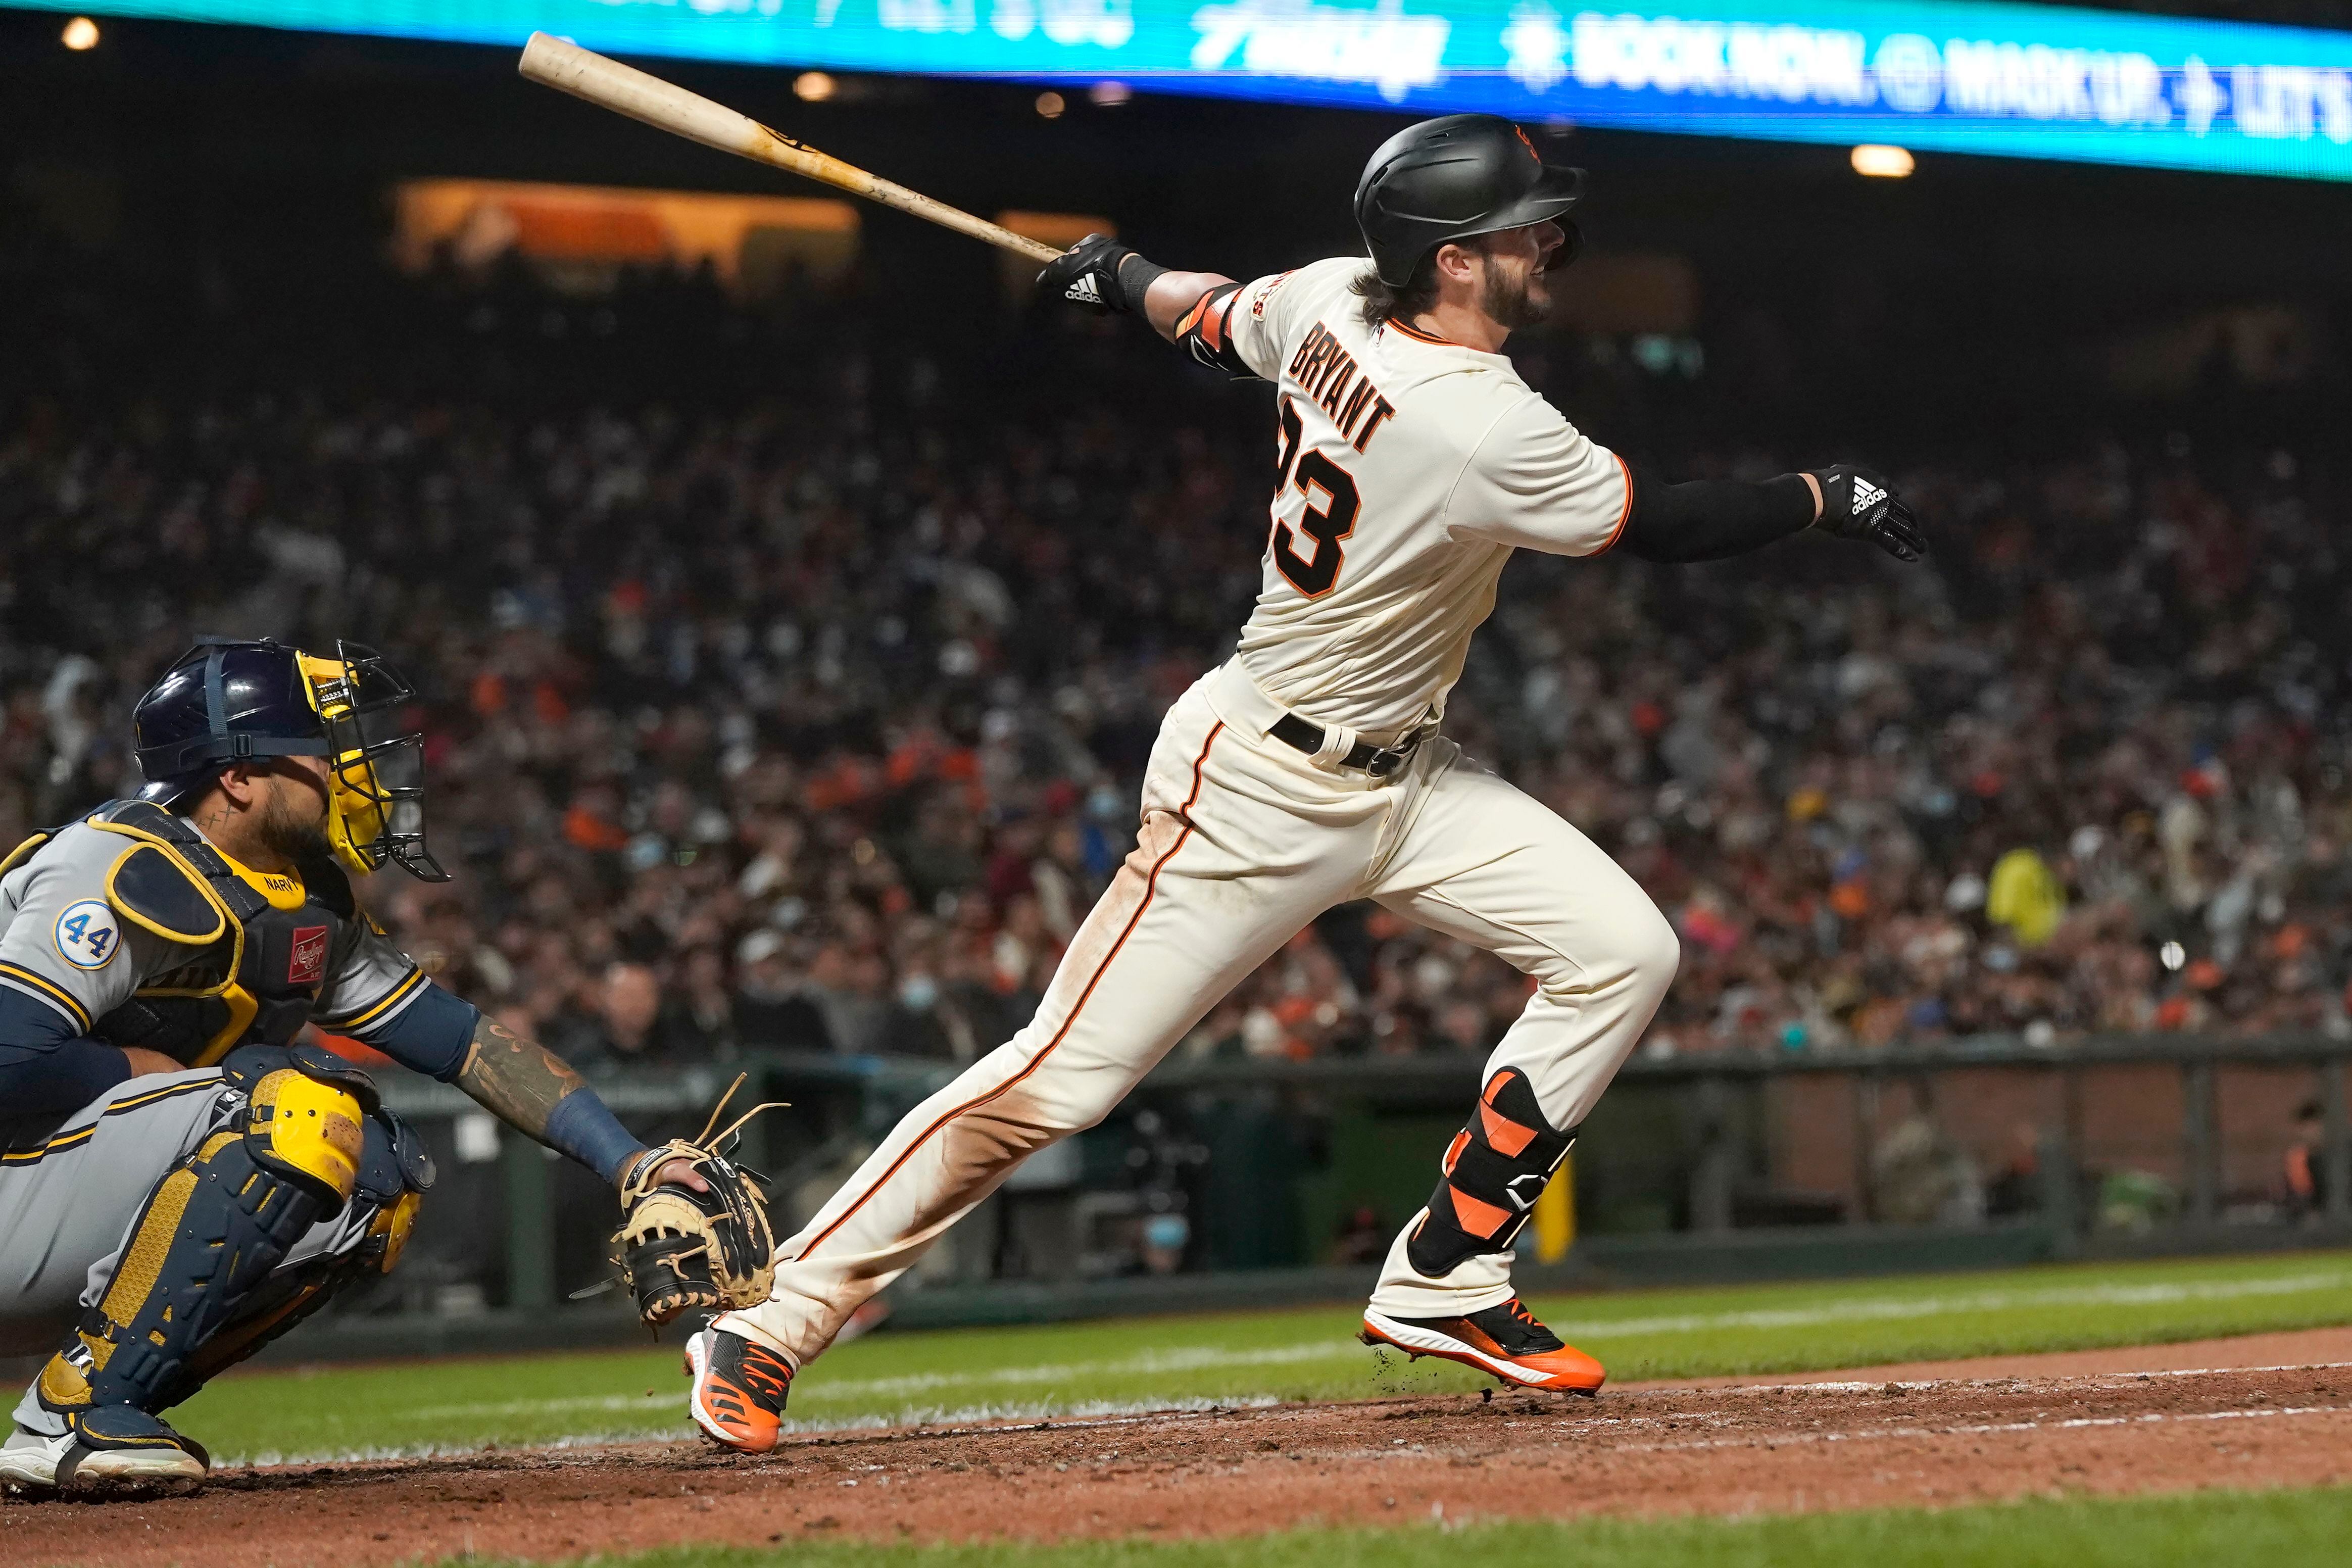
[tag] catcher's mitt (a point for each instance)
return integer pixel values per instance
(679, 1249)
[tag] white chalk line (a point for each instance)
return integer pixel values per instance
(1979, 1429)
(987, 1420)
(1866, 1385)
(1213, 1358)
(967, 1421)
(1981, 1301)
(978, 1419)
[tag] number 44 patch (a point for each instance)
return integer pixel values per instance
(88, 935)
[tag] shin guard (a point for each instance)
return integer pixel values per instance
(1496, 1168)
(206, 1241)
(393, 1175)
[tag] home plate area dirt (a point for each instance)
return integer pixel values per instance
(2158, 1419)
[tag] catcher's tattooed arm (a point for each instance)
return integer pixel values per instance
(515, 1080)
(532, 1089)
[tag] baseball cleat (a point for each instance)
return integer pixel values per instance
(1506, 1340)
(740, 1389)
(28, 1461)
(128, 1448)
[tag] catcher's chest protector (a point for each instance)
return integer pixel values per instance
(256, 960)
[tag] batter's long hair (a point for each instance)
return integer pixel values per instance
(1386, 302)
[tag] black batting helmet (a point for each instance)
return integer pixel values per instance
(1453, 177)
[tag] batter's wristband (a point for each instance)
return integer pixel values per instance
(583, 1127)
(1136, 277)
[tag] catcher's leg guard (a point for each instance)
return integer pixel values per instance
(209, 1237)
(394, 1172)
(1495, 1170)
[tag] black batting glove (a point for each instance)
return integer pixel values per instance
(1859, 503)
(1086, 275)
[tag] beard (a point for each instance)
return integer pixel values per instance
(1513, 301)
(285, 832)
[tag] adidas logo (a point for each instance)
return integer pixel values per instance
(1865, 495)
(1083, 290)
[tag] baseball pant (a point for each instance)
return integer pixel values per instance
(1243, 841)
(66, 1205)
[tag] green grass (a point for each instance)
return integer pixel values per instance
(1294, 1354)
(2200, 1529)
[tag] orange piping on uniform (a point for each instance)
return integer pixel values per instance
(1150, 886)
(1425, 337)
(1624, 512)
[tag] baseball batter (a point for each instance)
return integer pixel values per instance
(1310, 769)
(183, 1173)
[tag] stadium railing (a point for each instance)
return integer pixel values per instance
(2145, 1110)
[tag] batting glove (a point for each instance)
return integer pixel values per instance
(1086, 275)
(1859, 503)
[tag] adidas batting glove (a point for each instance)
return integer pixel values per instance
(1858, 503)
(1088, 275)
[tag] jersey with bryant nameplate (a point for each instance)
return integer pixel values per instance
(143, 934)
(1408, 468)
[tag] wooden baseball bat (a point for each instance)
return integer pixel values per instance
(582, 73)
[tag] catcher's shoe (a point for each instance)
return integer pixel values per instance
(1506, 1340)
(739, 1390)
(111, 1447)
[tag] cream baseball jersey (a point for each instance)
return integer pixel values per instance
(1408, 470)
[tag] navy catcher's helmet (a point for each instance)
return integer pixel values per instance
(222, 702)
(1453, 177)
(226, 701)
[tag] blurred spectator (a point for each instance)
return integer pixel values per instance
(631, 1023)
(1918, 1177)
(773, 704)
(2308, 1177)
(770, 1004)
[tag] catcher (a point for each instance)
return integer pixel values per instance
(186, 1175)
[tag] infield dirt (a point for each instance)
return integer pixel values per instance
(2267, 1410)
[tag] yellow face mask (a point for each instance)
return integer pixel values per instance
(375, 771)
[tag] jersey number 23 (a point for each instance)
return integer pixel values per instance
(1326, 525)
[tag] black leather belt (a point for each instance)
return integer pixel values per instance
(1378, 761)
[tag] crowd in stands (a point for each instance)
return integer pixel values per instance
(810, 712)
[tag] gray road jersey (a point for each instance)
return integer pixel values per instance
(68, 939)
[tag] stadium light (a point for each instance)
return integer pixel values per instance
(80, 34)
(1881, 162)
(1050, 105)
(812, 86)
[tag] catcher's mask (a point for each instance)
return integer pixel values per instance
(227, 701)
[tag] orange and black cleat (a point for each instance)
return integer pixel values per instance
(739, 1392)
(1506, 1340)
